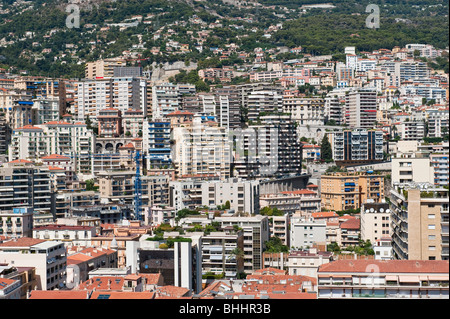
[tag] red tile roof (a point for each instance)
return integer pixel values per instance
(324, 214)
(29, 127)
(299, 192)
(20, 161)
(55, 157)
(171, 292)
(22, 242)
(351, 224)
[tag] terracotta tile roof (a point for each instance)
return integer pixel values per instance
(152, 279)
(55, 156)
(58, 123)
(324, 214)
(351, 224)
(58, 294)
(171, 291)
(20, 161)
(281, 279)
(103, 283)
(299, 192)
(22, 242)
(178, 112)
(387, 266)
(29, 127)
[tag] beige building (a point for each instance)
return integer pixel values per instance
(412, 169)
(103, 68)
(307, 262)
(342, 191)
(420, 218)
(375, 221)
(118, 186)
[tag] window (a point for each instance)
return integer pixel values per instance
(431, 237)
(431, 226)
(431, 216)
(431, 247)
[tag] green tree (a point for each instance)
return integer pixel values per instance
(326, 153)
(275, 245)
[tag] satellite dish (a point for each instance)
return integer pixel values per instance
(372, 210)
(388, 210)
(367, 211)
(381, 209)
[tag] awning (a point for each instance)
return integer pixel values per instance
(409, 279)
(443, 277)
(391, 278)
(341, 276)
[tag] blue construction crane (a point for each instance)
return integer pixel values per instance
(137, 188)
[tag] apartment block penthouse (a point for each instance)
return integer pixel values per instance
(24, 184)
(358, 146)
(420, 221)
(383, 279)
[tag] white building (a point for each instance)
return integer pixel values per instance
(305, 232)
(48, 257)
(242, 195)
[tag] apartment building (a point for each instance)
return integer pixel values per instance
(440, 164)
(420, 229)
(342, 191)
(413, 168)
(227, 98)
(73, 140)
(306, 232)
(290, 202)
(357, 146)
(307, 262)
(119, 187)
(69, 235)
(383, 279)
(271, 148)
(438, 123)
(66, 201)
(17, 222)
(279, 227)
(24, 184)
(361, 108)
(156, 140)
(122, 93)
(109, 122)
(186, 193)
(47, 109)
(305, 111)
(375, 221)
(219, 254)
(256, 232)
(260, 103)
(202, 149)
(103, 68)
(133, 121)
(242, 195)
(167, 98)
(48, 257)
